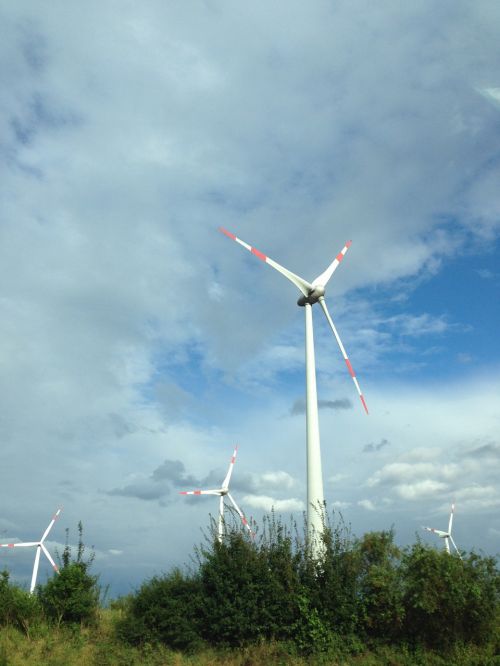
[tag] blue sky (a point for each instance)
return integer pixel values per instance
(138, 345)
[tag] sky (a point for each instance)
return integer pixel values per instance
(138, 345)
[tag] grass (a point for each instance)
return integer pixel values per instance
(49, 646)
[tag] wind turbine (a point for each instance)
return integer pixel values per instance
(39, 547)
(446, 535)
(222, 492)
(311, 293)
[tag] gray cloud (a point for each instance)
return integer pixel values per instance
(170, 474)
(144, 491)
(370, 448)
(489, 450)
(299, 406)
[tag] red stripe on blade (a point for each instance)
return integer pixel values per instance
(349, 367)
(228, 233)
(364, 403)
(197, 492)
(339, 257)
(348, 244)
(259, 254)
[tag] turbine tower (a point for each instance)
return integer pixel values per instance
(222, 492)
(311, 293)
(39, 547)
(446, 535)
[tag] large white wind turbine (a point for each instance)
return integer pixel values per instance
(39, 547)
(446, 535)
(312, 292)
(222, 492)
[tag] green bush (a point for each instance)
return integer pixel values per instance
(381, 609)
(358, 592)
(73, 596)
(18, 608)
(449, 601)
(166, 610)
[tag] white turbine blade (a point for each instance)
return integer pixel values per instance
(35, 569)
(324, 277)
(447, 543)
(221, 517)
(455, 546)
(346, 358)
(451, 519)
(439, 533)
(48, 556)
(302, 285)
(225, 483)
(22, 544)
(241, 515)
(54, 518)
(200, 492)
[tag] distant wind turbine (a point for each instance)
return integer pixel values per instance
(446, 535)
(222, 492)
(39, 547)
(311, 293)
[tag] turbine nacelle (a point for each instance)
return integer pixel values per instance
(317, 292)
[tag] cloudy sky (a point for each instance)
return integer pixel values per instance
(138, 345)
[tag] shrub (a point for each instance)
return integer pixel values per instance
(166, 609)
(447, 600)
(73, 596)
(18, 608)
(381, 606)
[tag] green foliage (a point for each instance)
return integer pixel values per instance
(355, 593)
(447, 600)
(166, 610)
(18, 608)
(275, 597)
(381, 609)
(73, 596)
(310, 633)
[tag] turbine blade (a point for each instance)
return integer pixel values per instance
(22, 544)
(447, 544)
(346, 358)
(440, 533)
(302, 285)
(225, 483)
(49, 557)
(324, 277)
(35, 568)
(451, 518)
(455, 546)
(241, 515)
(221, 517)
(54, 518)
(200, 492)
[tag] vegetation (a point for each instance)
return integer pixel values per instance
(364, 601)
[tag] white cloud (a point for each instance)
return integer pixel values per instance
(427, 488)
(366, 504)
(265, 503)
(340, 505)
